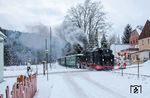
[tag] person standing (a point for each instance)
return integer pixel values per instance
(29, 69)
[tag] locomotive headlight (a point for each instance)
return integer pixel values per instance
(103, 59)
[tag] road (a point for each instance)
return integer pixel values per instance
(81, 85)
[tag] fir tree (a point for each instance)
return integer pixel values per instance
(7, 55)
(118, 40)
(126, 34)
(104, 43)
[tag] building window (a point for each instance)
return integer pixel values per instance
(133, 58)
(137, 57)
(133, 41)
(148, 41)
(142, 42)
(129, 56)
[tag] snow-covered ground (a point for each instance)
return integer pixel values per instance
(17, 70)
(10, 73)
(144, 69)
(7, 82)
(90, 85)
(80, 83)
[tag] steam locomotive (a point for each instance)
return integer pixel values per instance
(98, 59)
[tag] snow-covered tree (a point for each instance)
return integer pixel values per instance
(7, 55)
(112, 39)
(104, 43)
(118, 40)
(91, 18)
(126, 34)
(15, 52)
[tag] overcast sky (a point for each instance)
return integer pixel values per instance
(19, 14)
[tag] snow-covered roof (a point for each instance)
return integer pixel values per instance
(2, 35)
(74, 55)
(139, 31)
(145, 32)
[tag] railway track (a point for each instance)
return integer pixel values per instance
(86, 70)
(51, 73)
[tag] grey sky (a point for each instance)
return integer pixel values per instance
(17, 14)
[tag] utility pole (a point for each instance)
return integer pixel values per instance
(122, 72)
(138, 68)
(50, 47)
(46, 53)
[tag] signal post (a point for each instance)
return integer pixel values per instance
(122, 61)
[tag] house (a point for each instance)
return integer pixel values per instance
(130, 48)
(133, 40)
(129, 52)
(2, 37)
(144, 38)
(143, 44)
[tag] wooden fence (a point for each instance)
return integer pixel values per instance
(25, 87)
(1, 96)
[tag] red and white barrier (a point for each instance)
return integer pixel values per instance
(121, 60)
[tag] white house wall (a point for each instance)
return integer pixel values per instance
(143, 55)
(1, 60)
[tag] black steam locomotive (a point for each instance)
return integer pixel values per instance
(99, 59)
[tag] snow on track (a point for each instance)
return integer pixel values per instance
(75, 88)
(104, 88)
(89, 85)
(91, 88)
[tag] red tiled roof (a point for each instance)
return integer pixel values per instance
(146, 31)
